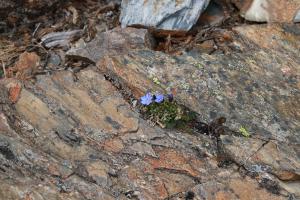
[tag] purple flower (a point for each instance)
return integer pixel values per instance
(170, 97)
(159, 98)
(147, 99)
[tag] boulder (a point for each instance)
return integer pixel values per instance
(269, 11)
(171, 15)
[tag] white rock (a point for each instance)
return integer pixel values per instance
(162, 14)
(297, 17)
(271, 10)
(257, 11)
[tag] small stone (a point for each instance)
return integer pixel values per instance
(54, 59)
(113, 145)
(98, 171)
(26, 66)
(142, 149)
(14, 92)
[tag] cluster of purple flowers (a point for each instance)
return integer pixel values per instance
(158, 98)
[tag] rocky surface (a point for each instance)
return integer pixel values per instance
(269, 11)
(255, 87)
(249, 87)
(170, 15)
(70, 135)
(74, 137)
(114, 42)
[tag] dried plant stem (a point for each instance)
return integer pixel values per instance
(4, 70)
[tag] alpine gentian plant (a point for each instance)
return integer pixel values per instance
(147, 99)
(159, 98)
(165, 111)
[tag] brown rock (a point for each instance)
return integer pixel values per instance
(172, 160)
(248, 190)
(233, 188)
(113, 145)
(113, 42)
(176, 183)
(275, 155)
(26, 66)
(14, 92)
(98, 172)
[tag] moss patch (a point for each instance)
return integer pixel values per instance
(169, 114)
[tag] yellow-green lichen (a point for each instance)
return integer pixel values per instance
(156, 81)
(244, 132)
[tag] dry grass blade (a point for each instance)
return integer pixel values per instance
(9, 51)
(3, 68)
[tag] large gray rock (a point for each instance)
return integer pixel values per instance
(165, 15)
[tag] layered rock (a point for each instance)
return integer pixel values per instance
(73, 136)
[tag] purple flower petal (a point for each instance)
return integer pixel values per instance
(170, 97)
(159, 98)
(147, 99)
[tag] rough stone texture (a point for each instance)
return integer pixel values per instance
(165, 15)
(257, 88)
(73, 135)
(113, 42)
(237, 188)
(269, 11)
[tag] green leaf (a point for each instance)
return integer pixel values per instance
(244, 132)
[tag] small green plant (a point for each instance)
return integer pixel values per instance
(156, 81)
(1, 73)
(244, 132)
(164, 111)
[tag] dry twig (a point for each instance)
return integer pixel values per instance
(3, 68)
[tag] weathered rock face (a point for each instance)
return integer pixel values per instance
(165, 15)
(269, 11)
(73, 135)
(251, 88)
(255, 87)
